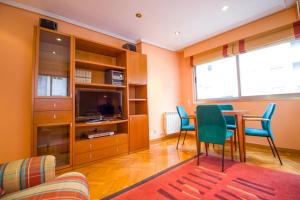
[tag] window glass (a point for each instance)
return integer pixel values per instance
(271, 70)
(217, 79)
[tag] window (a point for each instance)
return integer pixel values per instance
(268, 71)
(271, 70)
(217, 79)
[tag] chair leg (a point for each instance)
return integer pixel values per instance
(184, 138)
(231, 147)
(235, 136)
(199, 152)
(223, 157)
(206, 147)
(178, 139)
(271, 147)
(276, 150)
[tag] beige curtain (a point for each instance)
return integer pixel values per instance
(286, 33)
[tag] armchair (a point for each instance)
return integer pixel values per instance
(266, 130)
(184, 123)
(34, 178)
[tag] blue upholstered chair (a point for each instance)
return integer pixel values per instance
(184, 123)
(230, 121)
(265, 131)
(212, 128)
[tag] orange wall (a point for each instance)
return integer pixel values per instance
(16, 58)
(285, 124)
(163, 84)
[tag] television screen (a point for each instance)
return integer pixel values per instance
(98, 103)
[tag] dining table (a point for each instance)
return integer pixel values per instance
(238, 114)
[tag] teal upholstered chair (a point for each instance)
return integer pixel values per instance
(184, 123)
(212, 128)
(266, 130)
(230, 121)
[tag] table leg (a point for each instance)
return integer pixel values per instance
(241, 139)
(196, 135)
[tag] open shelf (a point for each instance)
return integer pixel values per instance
(99, 85)
(138, 115)
(137, 99)
(102, 123)
(96, 47)
(80, 63)
(99, 138)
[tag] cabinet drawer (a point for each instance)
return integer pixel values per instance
(52, 104)
(47, 117)
(122, 149)
(94, 144)
(121, 139)
(82, 147)
(104, 153)
(83, 158)
(103, 142)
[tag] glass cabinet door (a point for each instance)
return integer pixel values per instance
(53, 64)
(54, 140)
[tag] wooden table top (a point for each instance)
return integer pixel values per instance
(234, 112)
(227, 112)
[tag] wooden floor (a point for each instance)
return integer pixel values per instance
(109, 176)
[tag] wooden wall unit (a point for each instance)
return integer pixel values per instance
(138, 101)
(53, 97)
(139, 134)
(56, 132)
(137, 68)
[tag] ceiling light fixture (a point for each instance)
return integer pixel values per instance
(58, 39)
(225, 8)
(177, 33)
(53, 52)
(138, 15)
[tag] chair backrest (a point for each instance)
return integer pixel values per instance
(266, 125)
(229, 119)
(182, 113)
(211, 124)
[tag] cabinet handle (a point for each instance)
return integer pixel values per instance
(90, 146)
(54, 105)
(90, 155)
(54, 116)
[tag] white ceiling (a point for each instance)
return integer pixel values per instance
(195, 19)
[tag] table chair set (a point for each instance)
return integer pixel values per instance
(215, 124)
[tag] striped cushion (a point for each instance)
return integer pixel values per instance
(22, 174)
(71, 185)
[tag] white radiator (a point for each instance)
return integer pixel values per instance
(171, 123)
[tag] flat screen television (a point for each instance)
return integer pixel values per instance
(93, 104)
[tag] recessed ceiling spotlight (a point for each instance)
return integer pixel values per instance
(177, 33)
(225, 8)
(58, 39)
(138, 15)
(53, 52)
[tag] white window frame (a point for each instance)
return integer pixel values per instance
(241, 98)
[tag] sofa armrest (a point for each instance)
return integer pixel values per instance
(26, 173)
(72, 185)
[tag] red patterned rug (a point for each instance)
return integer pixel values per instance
(239, 181)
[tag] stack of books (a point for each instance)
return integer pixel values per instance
(83, 76)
